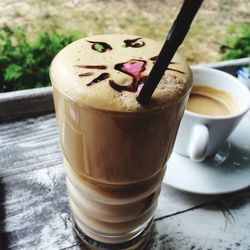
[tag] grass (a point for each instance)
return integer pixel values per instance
(142, 17)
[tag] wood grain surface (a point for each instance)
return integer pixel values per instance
(25, 103)
(34, 212)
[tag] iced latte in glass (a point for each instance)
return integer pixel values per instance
(115, 150)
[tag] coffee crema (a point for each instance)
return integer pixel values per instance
(209, 101)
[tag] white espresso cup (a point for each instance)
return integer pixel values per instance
(199, 135)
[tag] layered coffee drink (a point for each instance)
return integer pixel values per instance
(114, 148)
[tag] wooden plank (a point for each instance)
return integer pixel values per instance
(230, 66)
(220, 225)
(26, 103)
(29, 144)
(34, 211)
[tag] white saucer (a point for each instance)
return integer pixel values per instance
(227, 171)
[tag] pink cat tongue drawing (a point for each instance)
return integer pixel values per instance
(133, 68)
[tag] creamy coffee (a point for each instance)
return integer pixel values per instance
(209, 101)
(114, 148)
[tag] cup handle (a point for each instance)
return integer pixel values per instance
(198, 144)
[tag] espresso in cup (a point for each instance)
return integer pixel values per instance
(210, 101)
(217, 103)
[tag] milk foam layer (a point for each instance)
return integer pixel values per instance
(73, 74)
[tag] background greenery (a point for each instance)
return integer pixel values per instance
(237, 46)
(25, 64)
(219, 32)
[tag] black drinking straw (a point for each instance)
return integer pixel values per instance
(174, 39)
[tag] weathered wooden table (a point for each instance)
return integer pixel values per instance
(34, 212)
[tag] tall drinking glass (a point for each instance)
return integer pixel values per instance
(115, 150)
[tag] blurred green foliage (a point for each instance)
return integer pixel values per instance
(24, 64)
(236, 45)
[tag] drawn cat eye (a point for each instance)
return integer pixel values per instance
(100, 46)
(134, 43)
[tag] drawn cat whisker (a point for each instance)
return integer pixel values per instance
(176, 70)
(86, 74)
(101, 77)
(91, 66)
